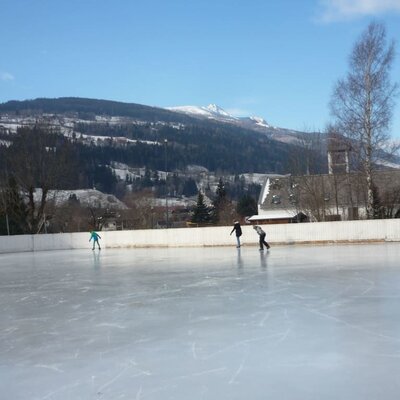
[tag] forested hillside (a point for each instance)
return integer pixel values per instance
(128, 150)
(215, 146)
(89, 108)
(223, 148)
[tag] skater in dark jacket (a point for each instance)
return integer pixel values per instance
(238, 232)
(262, 237)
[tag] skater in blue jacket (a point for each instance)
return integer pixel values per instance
(95, 236)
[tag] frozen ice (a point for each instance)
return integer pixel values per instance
(298, 322)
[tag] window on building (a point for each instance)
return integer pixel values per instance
(292, 198)
(276, 184)
(276, 199)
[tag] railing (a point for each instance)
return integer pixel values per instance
(282, 234)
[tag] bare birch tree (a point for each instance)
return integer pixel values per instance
(362, 103)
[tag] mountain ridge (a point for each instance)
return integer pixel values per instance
(87, 108)
(135, 134)
(256, 123)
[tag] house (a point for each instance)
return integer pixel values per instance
(326, 197)
(338, 195)
(277, 203)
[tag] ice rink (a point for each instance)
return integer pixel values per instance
(299, 322)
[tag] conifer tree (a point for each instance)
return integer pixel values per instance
(14, 209)
(201, 213)
(247, 206)
(220, 201)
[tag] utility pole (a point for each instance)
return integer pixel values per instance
(166, 183)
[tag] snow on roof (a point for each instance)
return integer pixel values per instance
(265, 191)
(274, 214)
(388, 164)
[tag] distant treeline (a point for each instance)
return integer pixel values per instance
(226, 148)
(80, 166)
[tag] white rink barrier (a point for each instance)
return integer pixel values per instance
(318, 232)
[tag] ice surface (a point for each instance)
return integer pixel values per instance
(301, 322)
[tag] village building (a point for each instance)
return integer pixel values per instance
(327, 197)
(338, 195)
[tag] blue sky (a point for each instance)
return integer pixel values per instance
(278, 59)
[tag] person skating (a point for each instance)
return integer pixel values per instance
(238, 232)
(95, 236)
(262, 234)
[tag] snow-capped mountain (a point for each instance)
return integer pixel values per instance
(211, 111)
(217, 113)
(72, 113)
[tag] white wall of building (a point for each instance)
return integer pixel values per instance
(321, 232)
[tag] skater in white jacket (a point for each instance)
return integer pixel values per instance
(262, 237)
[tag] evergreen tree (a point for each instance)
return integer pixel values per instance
(14, 209)
(219, 200)
(221, 192)
(189, 187)
(146, 182)
(201, 213)
(223, 211)
(156, 177)
(247, 206)
(104, 179)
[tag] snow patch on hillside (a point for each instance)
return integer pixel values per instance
(260, 122)
(87, 198)
(387, 164)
